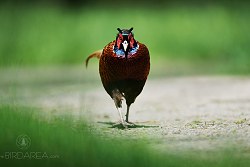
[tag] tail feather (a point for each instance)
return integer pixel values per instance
(96, 54)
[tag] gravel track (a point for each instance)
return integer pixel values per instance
(177, 113)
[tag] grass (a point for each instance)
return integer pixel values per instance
(212, 38)
(241, 121)
(73, 145)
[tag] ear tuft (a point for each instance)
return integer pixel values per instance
(120, 31)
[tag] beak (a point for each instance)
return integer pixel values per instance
(125, 45)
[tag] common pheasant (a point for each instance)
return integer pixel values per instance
(124, 67)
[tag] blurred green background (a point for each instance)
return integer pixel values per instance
(212, 36)
(183, 37)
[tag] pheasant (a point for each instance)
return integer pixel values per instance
(124, 67)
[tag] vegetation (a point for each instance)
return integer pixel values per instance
(71, 144)
(210, 37)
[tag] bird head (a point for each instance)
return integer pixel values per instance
(125, 40)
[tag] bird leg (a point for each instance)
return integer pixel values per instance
(127, 114)
(121, 117)
(128, 106)
(117, 97)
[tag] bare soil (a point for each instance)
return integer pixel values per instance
(171, 113)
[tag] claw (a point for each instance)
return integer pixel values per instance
(124, 125)
(120, 125)
(130, 124)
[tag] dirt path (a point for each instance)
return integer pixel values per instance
(182, 113)
(190, 112)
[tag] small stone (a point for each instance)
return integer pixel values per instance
(176, 131)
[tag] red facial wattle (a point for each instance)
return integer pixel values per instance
(131, 40)
(119, 40)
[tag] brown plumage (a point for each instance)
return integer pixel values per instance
(124, 67)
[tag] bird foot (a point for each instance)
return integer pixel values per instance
(120, 125)
(123, 125)
(130, 124)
